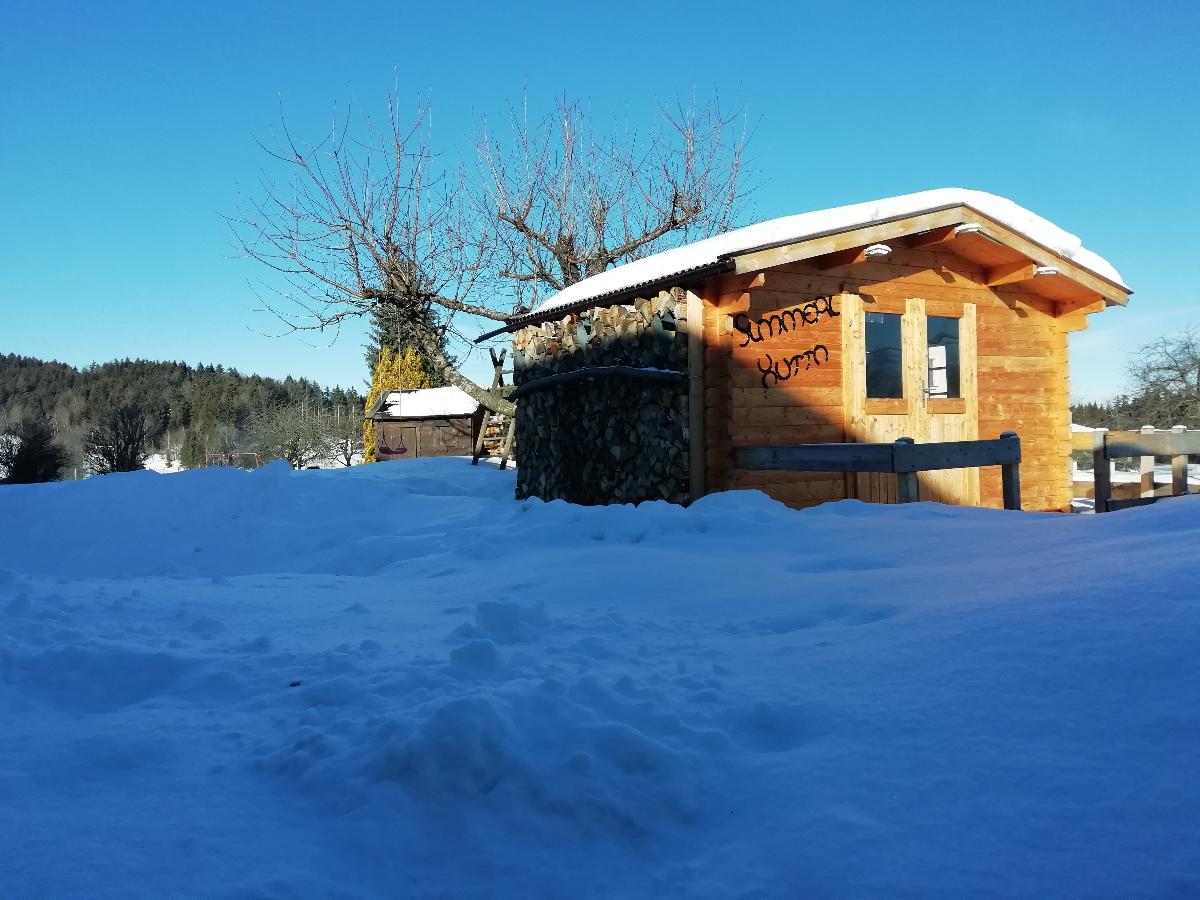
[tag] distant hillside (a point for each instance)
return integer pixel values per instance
(211, 403)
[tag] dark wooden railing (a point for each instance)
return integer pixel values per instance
(905, 458)
(1178, 443)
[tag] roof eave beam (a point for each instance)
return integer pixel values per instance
(879, 232)
(1011, 273)
(938, 221)
(932, 240)
(1046, 260)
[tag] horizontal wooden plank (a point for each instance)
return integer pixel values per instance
(956, 455)
(782, 476)
(806, 249)
(1115, 505)
(1039, 412)
(777, 435)
(1016, 385)
(874, 406)
(915, 276)
(824, 285)
(786, 415)
(785, 371)
(1048, 401)
(1134, 443)
(1029, 348)
(1008, 327)
(789, 392)
(1029, 429)
(947, 406)
(931, 258)
(818, 458)
(1045, 475)
(1028, 365)
(898, 457)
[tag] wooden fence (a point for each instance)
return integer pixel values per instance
(1178, 443)
(905, 458)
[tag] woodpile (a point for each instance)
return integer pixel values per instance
(613, 438)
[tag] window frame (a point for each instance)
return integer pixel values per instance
(888, 401)
(948, 399)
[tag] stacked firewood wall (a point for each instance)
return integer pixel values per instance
(611, 438)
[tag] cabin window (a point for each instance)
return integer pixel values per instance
(942, 356)
(885, 373)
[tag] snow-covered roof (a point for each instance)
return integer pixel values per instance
(427, 403)
(790, 229)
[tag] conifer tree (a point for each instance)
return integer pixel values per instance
(405, 372)
(382, 381)
(411, 371)
(193, 454)
(30, 454)
(391, 329)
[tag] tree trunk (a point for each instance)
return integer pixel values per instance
(447, 371)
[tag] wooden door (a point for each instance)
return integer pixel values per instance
(914, 390)
(408, 442)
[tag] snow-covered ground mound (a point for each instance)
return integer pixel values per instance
(395, 680)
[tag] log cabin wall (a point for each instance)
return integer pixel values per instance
(612, 438)
(773, 380)
(447, 436)
(772, 376)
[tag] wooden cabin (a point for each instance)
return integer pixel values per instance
(938, 316)
(441, 421)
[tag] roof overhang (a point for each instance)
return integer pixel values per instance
(376, 406)
(1008, 257)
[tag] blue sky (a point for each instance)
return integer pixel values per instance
(127, 129)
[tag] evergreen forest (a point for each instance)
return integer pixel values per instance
(194, 411)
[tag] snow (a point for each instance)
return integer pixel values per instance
(440, 401)
(842, 218)
(1162, 474)
(396, 680)
(158, 462)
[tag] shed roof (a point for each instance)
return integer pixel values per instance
(721, 252)
(427, 403)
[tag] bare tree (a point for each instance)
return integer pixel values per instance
(288, 431)
(570, 203)
(1165, 378)
(344, 434)
(371, 222)
(117, 440)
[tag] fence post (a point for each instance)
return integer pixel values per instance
(1179, 468)
(1146, 468)
(1010, 477)
(1100, 472)
(908, 489)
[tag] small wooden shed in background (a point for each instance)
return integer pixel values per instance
(441, 421)
(939, 316)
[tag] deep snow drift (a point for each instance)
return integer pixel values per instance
(395, 680)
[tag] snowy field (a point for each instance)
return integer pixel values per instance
(396, 681)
